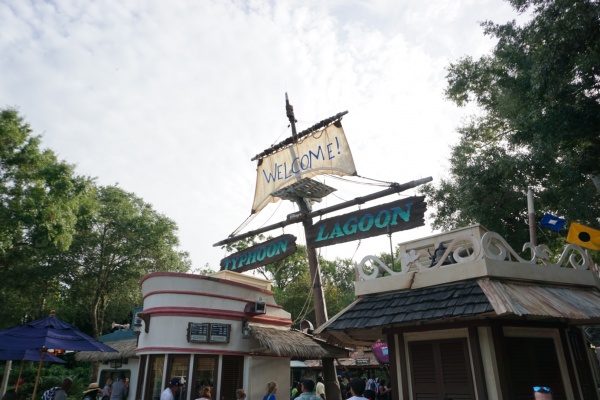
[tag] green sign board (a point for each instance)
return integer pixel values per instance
(261, 254)
(378, 220)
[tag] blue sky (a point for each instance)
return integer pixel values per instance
(171, 99)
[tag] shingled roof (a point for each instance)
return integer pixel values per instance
(459, 299)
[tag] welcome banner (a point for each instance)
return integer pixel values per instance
(322, 152)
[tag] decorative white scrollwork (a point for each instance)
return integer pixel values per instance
(541, 252)
(408, 258)
(462, 248)
(376, 266)
(456, 250)
(495, 247)
(578, 258)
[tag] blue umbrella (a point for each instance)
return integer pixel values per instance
(48, 333)
(28, 355)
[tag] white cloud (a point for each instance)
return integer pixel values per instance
(172, 99)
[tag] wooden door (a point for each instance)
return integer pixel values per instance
(440, 370)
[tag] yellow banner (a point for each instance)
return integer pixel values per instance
(322, 152)
(584, 236)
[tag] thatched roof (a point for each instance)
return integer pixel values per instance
(294, 344)
(125, 349)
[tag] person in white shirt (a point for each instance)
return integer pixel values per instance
(320, 388)
(357, 388)
(171, 390)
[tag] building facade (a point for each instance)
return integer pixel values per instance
(468, 318)
(224, 331)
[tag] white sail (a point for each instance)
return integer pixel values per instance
(321, 152)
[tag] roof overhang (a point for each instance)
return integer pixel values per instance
(293, 344)
(125, 349)
(366, 320)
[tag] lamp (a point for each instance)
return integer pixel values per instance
(246, 330)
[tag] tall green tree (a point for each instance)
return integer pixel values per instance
(119, 239)
(539, 93)
(39, 200)
(69, 245)
(293, 286)
(292, 283)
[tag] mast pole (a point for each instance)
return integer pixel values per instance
(332, 387)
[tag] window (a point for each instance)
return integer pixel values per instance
(113, 374)
(141, 372)
(154, 384)
(440, 369)
(204, 374)
(178, 367)
(232, 376)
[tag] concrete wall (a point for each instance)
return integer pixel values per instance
(266, 369)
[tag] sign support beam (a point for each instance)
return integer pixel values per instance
(294, 219)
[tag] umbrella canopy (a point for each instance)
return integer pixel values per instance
(28, 355)
(49, 333)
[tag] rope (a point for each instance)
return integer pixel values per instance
(360, 183)
(243, 224)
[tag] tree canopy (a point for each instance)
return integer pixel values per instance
(292, 284)
(539, 126)
(71, 245)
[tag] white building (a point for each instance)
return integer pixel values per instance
(223, 330)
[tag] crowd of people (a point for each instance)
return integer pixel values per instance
(306, 389)
(354, 389)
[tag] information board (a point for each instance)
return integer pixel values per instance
(219, 333)
(198, 332)
(208, 333)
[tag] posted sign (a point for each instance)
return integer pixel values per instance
(391, 217)
(261, 254)
(322, 152)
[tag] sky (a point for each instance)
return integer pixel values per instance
(171, 100)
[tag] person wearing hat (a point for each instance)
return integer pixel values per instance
(171, 391)
(92, 391)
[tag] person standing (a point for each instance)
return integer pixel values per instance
(106, 389)
(542, 393)
(171, 391)
(240, 394)
(205, 394)
(92, 391)
(307, 386)
(271, 390)
(383, 392)
(62, 392)
(119, 389)
(320, 388)
(357, 388)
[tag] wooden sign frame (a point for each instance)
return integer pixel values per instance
(261, 254)
(386, 218)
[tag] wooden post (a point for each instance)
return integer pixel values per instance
(531, 217)
(7, 368)
(332, 386)
(37, 377)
